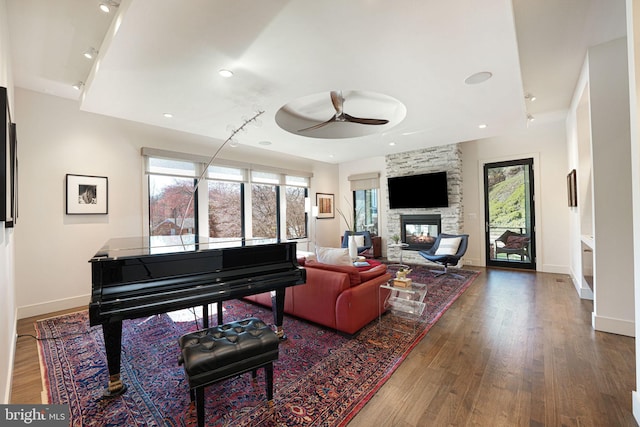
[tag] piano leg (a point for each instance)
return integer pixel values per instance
(277, 307)
(112, 333)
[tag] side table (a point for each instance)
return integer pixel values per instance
(401, 246)
(407, 303)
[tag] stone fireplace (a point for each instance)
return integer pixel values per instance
(419, 231)
(433, 159)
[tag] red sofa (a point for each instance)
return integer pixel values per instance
(335, 296)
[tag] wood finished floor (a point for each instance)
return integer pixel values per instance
(516, 349)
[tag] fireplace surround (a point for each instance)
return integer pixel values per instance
(420, 231)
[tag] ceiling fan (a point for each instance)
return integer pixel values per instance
(340, 116)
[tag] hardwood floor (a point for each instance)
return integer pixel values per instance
(516, 349)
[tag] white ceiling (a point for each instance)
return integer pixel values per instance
(163, 56)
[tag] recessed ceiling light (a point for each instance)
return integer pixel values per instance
(264, 142)
(476, 78)
(168, 115)
(482, 126)
(225, 73)
(392, 144)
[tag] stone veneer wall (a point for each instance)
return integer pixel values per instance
(435, 159)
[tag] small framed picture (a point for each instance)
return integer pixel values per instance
(87, 195)
(572, 190)
(326, 207)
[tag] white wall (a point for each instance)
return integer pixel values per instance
(605, 79)
(544, 141)
(7, 283)
(55, 138)
(633, 45)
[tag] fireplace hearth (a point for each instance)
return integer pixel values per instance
(419, 231)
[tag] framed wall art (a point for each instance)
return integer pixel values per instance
(326, 206)
(8, 164)
(572, 190)
(87, 195)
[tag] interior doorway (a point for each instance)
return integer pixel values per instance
(509, 214)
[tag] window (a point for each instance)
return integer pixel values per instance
(225, 210)
(296, 225)
(365, 200)
(238, 201)
(365, 207)
(171, 205)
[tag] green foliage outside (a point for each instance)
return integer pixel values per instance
(507, 197)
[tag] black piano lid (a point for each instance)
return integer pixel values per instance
(127, 247)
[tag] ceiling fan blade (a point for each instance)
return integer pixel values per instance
(338, 101)
(365, 121)
(319, 125)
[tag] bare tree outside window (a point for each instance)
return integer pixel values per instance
(264, 211)
(225, 209)
(296, 218)
(168, 199)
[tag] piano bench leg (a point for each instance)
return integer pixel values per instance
(200, 405)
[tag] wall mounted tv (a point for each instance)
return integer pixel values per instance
(418, 191)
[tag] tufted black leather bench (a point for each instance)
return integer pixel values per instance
(221, 352)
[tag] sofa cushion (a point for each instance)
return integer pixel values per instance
(376, 271)
(354, 274)
(334, 256)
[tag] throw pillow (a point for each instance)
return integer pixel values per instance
(359, 240)
(448, 245)
(516, 242)
(334, 256)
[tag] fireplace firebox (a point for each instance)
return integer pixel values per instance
(419, 231)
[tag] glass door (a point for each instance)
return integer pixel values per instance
(509, 214)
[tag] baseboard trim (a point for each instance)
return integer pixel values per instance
(635, 398)
(51, 306)
(11, 362)
(553, 268)
(614, 326)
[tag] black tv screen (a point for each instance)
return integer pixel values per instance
(418, 191)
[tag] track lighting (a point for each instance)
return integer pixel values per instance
(530, 97)
(78, 86)
(90, 53)
(106, 5)
(530, 118)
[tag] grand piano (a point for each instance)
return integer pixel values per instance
(143, 276)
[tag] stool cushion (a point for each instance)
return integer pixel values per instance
(220, 352)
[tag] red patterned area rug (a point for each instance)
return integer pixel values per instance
(321, 378)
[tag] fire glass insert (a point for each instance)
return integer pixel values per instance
(420, 231)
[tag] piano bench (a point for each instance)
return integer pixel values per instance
(215, 354)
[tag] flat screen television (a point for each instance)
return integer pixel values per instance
(427, 190)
